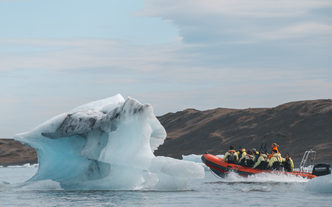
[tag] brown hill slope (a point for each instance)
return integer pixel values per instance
(15, 153)
(296, 127)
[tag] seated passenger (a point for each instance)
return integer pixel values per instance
(241, 153)
(255, 151)
(248, 159)
(262, 157)
(288, 163)
(274, 147)
(256, 154)
(231, 156)
(275, 158)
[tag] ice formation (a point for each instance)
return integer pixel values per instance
(198, 159)
(107, 144)
(321, 184)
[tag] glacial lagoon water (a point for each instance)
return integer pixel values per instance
(258, 190)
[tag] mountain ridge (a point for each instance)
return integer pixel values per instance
(296, 126)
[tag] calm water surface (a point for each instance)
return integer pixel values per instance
(262, 190)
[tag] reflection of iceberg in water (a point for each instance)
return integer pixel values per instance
(107, 144)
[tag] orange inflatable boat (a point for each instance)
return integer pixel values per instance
(222, 168)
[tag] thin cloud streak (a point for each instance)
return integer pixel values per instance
(88, 53)
(240, 20)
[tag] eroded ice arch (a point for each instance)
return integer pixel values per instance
(107, 144)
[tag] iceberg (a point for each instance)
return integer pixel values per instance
(198, 159)
(107, 145)
(321, 184)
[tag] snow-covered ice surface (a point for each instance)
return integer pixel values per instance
(107, 145)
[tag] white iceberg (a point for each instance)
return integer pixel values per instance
(321, 184)
(107, 144)
(198, 159)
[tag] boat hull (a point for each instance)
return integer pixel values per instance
(222, 168)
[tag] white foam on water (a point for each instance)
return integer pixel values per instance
(27, 165)
(274, 177)
(42, 185)
(250, 189)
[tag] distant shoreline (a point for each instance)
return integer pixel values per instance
(13, 152)
(21, 163)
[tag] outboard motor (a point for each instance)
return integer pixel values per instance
(321, 169)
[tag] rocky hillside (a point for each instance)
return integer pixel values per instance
(296, 127)
(15, 153)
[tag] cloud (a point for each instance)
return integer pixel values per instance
(85, 53)
(10, 100)
(109, 61)
(299, 30)
(213, 21)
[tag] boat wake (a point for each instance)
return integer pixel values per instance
(277, 177)
(260, 189)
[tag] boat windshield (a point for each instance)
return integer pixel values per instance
(308, 161)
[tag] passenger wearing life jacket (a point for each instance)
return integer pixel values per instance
(288, 163)
(274, 147)
(256, 154)
(231, 155)
(275, 158)
(241, 153)
(262, 157)
(248, 159)
(255, 151)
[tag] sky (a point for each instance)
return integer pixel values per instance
(57, 55)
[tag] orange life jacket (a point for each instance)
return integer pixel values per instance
(270, 155)
(275, 148)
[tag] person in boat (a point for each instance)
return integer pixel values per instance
(262, 157)
(248, 159)
(275, 158)
(256, 154)
(241, 153)
(255, 151)
(274, 147)
(288, 163)
(231, 156)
